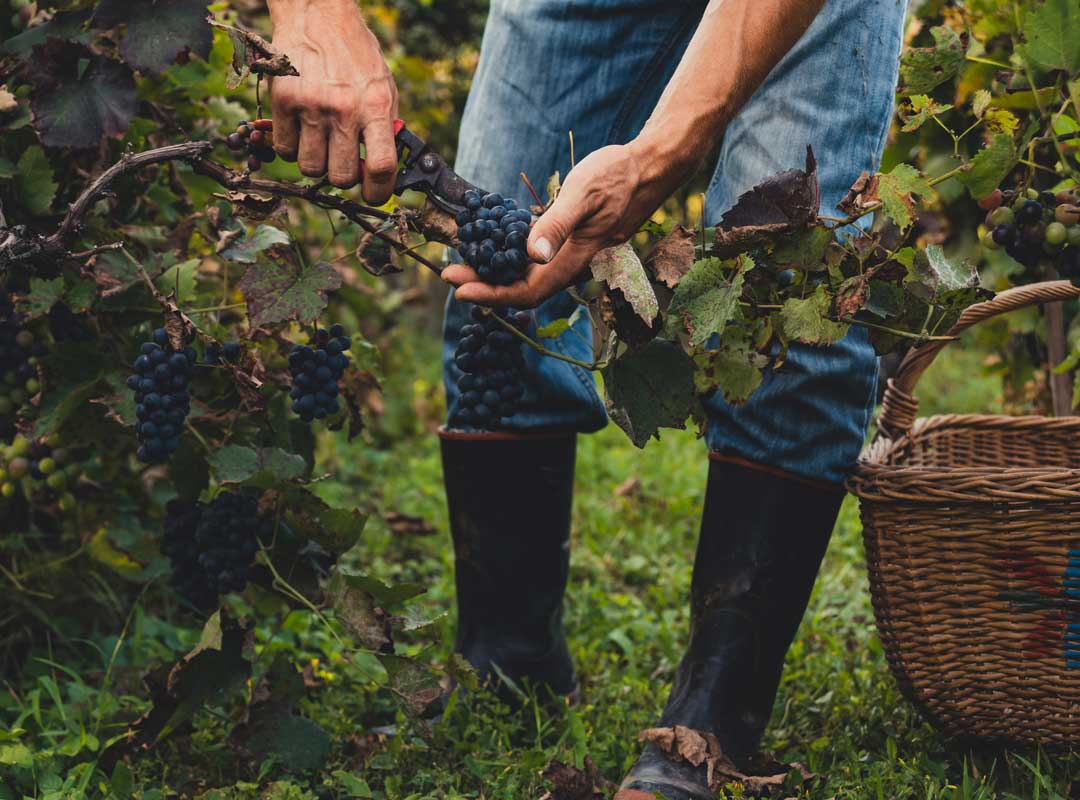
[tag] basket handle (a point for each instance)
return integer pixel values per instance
(900, 406)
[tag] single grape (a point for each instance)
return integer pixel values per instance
(991, 201)
(1055, 233)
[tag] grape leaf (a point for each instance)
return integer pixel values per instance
(932, 276)
(990, 166)
(620, 268)
(217, 663)
(789, 198)
(293, 741)
(896, 189)
(413, 683)
(43, 295)
(707, 299)
(1052, 34)
(79, 98)
(34, 182)
(80, 295)
(335, 529)
(924, 68)
(733, 368)
(557, 327)
(236, 463)
(278, 290)
(66, 26)
(158, 31)
(649, 389)
(807, 319)
(673, 256)
(383, 593)
(246, 249)
(804, 248)
(82, 366)
(252, 53)
(179, 279)
(919, 109)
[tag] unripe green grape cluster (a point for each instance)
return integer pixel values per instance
(43, 471)
(20, 350)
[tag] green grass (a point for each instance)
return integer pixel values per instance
(838, 711)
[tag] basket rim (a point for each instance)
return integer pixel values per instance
(875, 478)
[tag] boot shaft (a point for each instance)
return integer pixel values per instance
(509, 500)
(763, 536)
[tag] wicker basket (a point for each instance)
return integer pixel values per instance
(972, 531)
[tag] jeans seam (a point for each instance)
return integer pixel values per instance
(653, 67)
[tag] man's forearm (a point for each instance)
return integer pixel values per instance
(733, 50)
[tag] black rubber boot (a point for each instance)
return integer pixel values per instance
(763, 535)
(509, 499)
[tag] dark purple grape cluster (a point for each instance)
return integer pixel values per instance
(211, 546)
(316, 370)
(161, 398)
(20, 350)
(1035, 226)
(253, 140)
(493, 380)
(493, 232)
(229, 352)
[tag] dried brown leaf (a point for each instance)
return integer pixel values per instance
(249, 205)
(852, 297)
(407, 524)
(437, 225)
(862, 194)
(570, 783)
(673, 255)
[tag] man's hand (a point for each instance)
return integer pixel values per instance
(345, 92)
(604, 201)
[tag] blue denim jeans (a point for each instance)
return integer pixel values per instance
(598, 67)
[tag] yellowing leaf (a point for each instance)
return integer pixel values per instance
(897, 189)
(708, 297)
(807, 320)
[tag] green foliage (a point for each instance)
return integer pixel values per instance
(923, 69)
(1052, 35)
(649, 389)
(707, 298)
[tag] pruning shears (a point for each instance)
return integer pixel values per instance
(421, 169)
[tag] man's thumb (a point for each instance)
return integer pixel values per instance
(554, 227)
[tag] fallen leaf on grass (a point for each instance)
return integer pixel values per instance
(761, 776)
(570, 783)
(408, 525)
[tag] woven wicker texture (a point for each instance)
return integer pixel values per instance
(971, 525)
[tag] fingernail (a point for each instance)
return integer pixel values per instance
(543, 247)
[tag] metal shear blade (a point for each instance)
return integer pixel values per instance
(426, 171)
